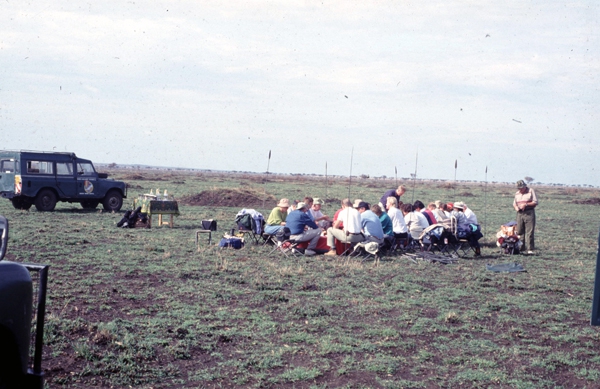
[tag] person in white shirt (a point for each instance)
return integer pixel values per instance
(350, 219)
(415, 224)
(471, 218)
(398, 223)
(418, 211)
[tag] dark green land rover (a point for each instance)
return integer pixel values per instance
(43, 178)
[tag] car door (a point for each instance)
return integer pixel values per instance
(37, 174)
(66, 182)
(87, 185)
(7, 174)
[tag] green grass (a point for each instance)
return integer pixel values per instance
(147, 308)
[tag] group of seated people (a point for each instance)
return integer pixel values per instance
(358, 221)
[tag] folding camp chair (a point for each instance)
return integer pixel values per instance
(287, 247)
(249, 223)
(284, 244)
(405, 245)
(434, 239)
(458, 243)
(269, 239)
(208, 226)
(400, 243)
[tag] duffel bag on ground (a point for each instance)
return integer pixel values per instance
(231, 241)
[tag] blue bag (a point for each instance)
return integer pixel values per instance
(233, 242)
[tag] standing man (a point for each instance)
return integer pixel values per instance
(395, 193)
(525, 203)
(303, 229)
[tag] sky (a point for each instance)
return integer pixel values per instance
(369, 87)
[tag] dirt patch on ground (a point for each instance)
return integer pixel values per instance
(591, 200)
(224, 197)
(139, 177)
(133, 177)
(466, 194)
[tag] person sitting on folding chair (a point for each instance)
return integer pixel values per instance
(293, 206)
(371, 226)
(322, 220)
(337, 213)
(276, 220)
(415, 222)
(395, 214)
(309, 203)
(399, 228)
(386, 222)
(303, 229)
(464, 229)
(350, 219)
(470, 215)
(448, 209)
(438, 211)
(419, 208)
(459, 215)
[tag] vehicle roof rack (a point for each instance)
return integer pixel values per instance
(69, 153)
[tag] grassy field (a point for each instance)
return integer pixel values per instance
(147, 309)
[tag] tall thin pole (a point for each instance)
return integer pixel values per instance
(415, 177)
(396, 171)
(265, 180)
(455, 166)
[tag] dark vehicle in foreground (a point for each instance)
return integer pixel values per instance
(43, 178)
(16, 310)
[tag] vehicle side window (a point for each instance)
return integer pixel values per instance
(85, 169)
(64, 169)
(40, 167)
(7, 166)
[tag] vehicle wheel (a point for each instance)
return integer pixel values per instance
(113, 201)
(21, 202)
(90, 204)
(45, 201)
